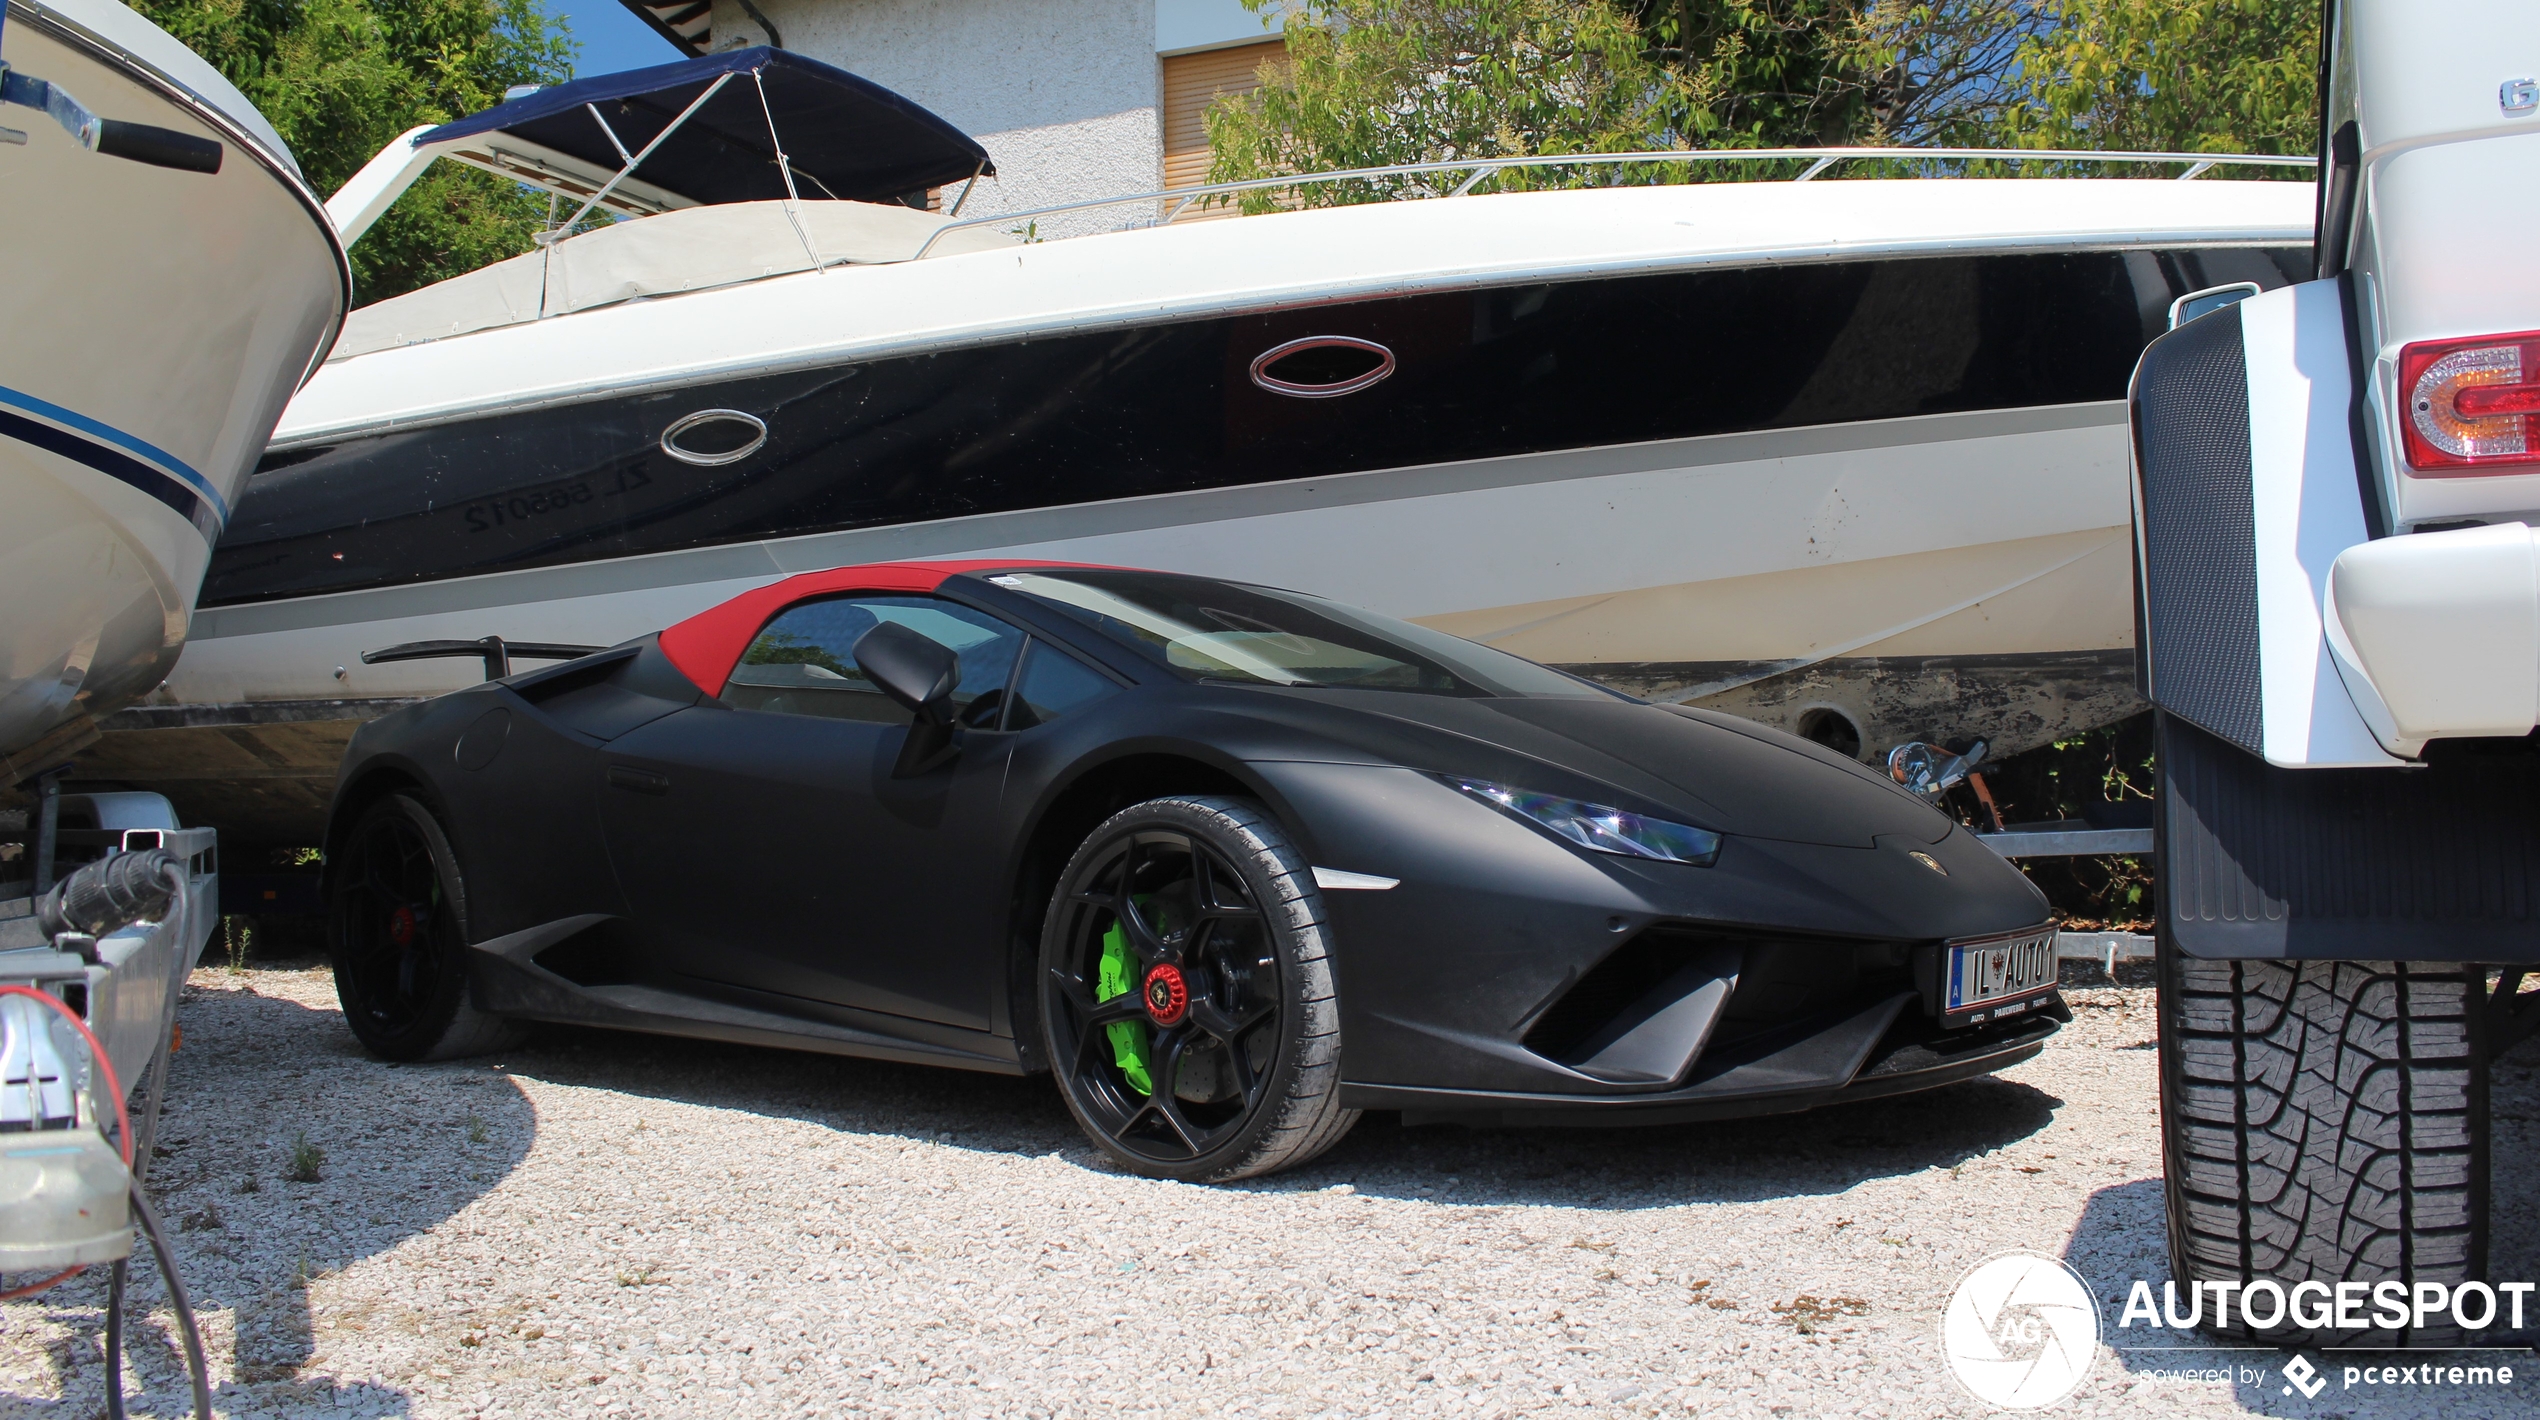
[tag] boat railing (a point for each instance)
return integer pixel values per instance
(1819, 161)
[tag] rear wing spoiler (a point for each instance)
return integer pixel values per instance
(497, 653)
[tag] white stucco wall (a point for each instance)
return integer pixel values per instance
(1062, 93)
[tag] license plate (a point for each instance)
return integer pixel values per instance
(2002, 976)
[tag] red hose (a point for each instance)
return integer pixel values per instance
(114, 1091)
(32, 1288)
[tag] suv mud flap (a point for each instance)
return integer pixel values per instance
(2435, 863)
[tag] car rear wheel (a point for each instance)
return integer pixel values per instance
(397, 931)
(2324, 1121)
(1187, 993)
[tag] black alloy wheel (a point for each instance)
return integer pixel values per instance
(1187, 994)
(397, 932)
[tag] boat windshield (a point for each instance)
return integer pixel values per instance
(1229, 632)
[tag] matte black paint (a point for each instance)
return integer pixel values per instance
(641, 855)
(1170, 408)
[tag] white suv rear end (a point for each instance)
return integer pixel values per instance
(2339, 627)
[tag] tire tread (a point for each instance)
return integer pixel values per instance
(2324, 1121)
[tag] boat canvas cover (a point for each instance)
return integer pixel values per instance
(692, 249)
(843, 136)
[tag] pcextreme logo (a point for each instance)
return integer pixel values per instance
(2021, 1331)
(2304, 1376)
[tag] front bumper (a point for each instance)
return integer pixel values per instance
(1818, 1063)
(1507, 970)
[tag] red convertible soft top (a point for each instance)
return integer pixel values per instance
(706, 646)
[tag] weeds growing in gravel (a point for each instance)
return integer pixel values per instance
(476, 1130)
(1698, 1288)
(307, 1160)
(251, 1184)
(1812, 1314)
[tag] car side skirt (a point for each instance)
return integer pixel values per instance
(506, 979)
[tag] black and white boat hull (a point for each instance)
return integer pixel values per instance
(1852, 449)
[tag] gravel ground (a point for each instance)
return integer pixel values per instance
(601, 1224)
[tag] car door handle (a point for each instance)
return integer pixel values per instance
(640, 781)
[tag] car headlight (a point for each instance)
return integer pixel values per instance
(1599, 828)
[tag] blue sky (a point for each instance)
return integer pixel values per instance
(611, 37)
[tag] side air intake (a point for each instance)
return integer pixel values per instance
(1641, 1015)
(1647, 1012)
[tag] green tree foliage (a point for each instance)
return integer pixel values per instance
(1774, 73)
(2172, 75)
(1375, 83)
(339, 78)
(1793, 73)
(2077, 778)
(1938, 72)
(1372, 83)
(2201, 76)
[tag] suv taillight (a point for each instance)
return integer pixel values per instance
(2471, 406)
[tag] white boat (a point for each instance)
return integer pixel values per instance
(1847, 456)
(169, 281)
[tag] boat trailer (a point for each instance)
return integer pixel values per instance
(91, 970)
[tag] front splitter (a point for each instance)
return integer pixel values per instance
(1905, 1061)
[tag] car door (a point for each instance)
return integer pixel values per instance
(766, 848)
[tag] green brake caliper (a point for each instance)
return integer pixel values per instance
(1114, 976)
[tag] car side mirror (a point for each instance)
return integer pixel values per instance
(919, 672)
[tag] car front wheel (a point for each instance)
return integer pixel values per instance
(1187, 994)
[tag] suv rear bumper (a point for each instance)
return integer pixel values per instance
(2437, 635)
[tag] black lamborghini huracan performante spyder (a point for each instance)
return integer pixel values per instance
(1232, 863)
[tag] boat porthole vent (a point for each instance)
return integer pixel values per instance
(1321, 366)
(711, 437)
(1833, 728)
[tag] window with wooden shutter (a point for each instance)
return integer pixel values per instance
(1191, 83)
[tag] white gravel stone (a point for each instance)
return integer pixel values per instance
(601, 1224)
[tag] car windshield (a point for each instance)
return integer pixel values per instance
(1225, 631)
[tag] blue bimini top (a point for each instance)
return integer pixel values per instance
(845, 137)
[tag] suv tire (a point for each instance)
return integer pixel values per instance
(2324, 1121)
